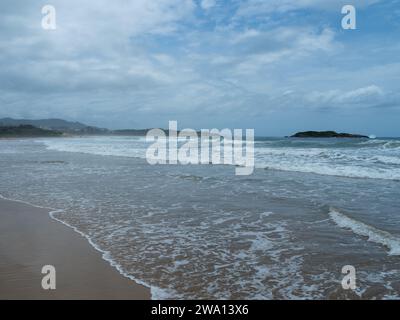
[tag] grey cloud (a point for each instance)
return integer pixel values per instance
(140, 63)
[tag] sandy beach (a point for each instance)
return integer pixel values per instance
(30, 239)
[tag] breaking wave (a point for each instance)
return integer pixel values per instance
(374, 235)
(372, 159)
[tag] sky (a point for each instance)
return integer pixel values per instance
(276, 66)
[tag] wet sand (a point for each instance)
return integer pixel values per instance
(30, 239)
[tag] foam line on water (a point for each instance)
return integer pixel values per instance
(354, 162)
(374, 235)
(156, 293)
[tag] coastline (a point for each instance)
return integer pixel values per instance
(31, 239)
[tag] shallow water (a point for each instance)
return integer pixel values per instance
(199, 231)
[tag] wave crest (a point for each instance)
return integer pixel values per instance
(374, 235)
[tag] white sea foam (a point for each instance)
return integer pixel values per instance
(222, 249)
(372, 159)
(105, 146)
(375, 235)
(346, 162)
(155, 292)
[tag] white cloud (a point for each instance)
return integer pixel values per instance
(151, 60)
(261, 7)
(245, 35)
(361, 94)
(287, 44)
(207, 4)
(369, 94)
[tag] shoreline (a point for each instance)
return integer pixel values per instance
(31, 238)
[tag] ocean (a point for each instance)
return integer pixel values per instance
(311, 207)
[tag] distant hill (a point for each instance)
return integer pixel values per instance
(72, 128)
(137, 132)
(26, 130)
(326, 134)
(130, 132)
(55, 124)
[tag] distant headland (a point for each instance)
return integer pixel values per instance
(56, 127)
(326, 134)
(26, 130)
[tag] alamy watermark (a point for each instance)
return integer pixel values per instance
(49, 17)
(349, 280)
(349, 20)
(214, 146)
(49, 21)
(49, 280)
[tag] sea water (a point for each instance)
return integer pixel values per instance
(311, 207)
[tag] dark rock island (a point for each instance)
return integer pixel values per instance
(326, 134)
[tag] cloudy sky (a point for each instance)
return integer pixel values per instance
(277, 66)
